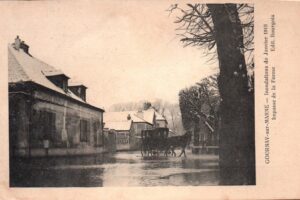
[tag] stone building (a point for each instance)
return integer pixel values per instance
(47, 115)
(138, 120)
(122, 131)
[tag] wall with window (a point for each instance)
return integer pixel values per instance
(65, 126)
(64, 123)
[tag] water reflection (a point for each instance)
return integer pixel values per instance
(121, 169)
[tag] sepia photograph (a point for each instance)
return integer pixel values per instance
(114, 95)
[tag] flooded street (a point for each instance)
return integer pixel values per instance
(119, 169)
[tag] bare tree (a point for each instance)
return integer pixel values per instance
(225, 31)
(196, 28)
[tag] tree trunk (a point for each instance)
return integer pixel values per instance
(237, 139)
(196, 136)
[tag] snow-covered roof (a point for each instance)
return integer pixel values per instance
(24, 68)
(54, 72)
(119, 126)
(146, 116)
(149, 115)
(75, 83)
(121, 116)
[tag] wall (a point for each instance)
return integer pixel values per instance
(110, 140)
(69, 119)
(122, 140)
(63, 123)
(139, 126)
(18, 123)
(135, 135)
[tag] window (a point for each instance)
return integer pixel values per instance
(48, 123)
(60, 80)
(95, 130)
(84, 131)
(79, 90)
(43, 127)
(97, 133)
(65, 85)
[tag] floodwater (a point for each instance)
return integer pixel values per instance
(119, 169)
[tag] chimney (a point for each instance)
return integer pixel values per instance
(17, 43)
(128, 117)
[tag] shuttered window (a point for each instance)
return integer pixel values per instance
(97, 136)
(84, 131)
(43, 127)
(48, 124)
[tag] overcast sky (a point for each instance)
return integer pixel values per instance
(122, 51)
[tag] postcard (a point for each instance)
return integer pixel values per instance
(149, 100)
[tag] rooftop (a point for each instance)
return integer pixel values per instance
(76, 83)
(118, 126)
(146, 116)
(23, 67)
(122, 116)
(54, 72)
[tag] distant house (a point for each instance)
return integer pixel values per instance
(122, 131)
(140, 120)
(47, 115)
(160, 120)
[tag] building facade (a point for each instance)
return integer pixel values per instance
(46, 115)
(122, 131)
(140, 120)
